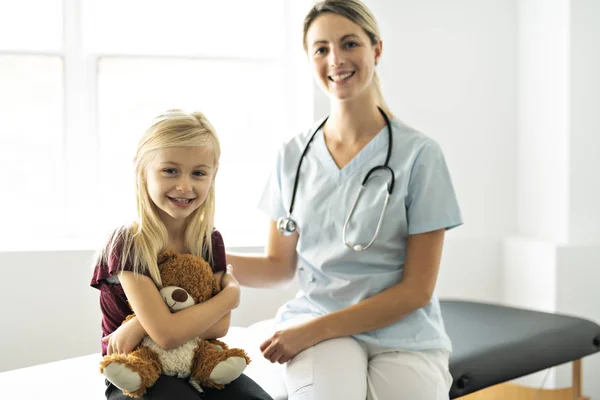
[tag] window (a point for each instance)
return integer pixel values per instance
(81, 82)
(31, 144)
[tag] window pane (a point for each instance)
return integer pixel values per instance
(243, 100)
(31, 25)
(206, 27)
(31, 147)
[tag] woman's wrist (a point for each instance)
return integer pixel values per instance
(321, 328)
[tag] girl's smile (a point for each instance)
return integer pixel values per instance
(181, 201)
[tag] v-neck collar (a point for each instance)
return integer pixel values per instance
(371, 150)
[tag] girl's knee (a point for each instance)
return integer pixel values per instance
(243, 388)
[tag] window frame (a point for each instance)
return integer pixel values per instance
(81, 136)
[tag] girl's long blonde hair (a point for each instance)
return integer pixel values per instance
(142, 241)
(357, 12)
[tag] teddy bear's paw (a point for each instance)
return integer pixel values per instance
(219, 345)
(228, 370)
(122, 377)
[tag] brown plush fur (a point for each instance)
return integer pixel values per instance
(142, 360)
(190, 272)
(194, 275)
(207, 357)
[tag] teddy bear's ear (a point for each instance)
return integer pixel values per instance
(165, 256)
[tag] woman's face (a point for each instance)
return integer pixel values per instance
(342, 56)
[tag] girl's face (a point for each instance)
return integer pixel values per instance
(342, 56)
(179, 179)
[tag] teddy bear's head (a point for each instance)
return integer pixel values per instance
(186, 279)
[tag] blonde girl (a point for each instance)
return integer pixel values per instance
(175, 168)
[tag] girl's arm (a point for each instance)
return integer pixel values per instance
(170, 330)
(129, 335)
(219, 329)
(277, 266)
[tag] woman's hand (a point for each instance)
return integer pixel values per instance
(231, 286)
(126, 338)
(286, 344)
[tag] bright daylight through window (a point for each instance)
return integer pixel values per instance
(81, 79)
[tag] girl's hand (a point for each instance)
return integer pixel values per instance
(286, 344)
(227, 278)
(218, 277)
(231, 286)
(126, 338)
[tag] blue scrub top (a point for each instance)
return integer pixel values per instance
(332, 276)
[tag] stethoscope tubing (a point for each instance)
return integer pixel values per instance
(287, 225)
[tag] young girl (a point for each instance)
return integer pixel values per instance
(175, 167)
(366, 323)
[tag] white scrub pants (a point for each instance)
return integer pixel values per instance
(345, 368)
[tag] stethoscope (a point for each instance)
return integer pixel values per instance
(287, 225)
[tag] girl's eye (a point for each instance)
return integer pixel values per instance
(320, 50)
(351, 45)
(199, 173)
(170, 171)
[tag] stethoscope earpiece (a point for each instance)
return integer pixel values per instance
(287, 226)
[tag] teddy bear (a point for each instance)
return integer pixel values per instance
(187, 280)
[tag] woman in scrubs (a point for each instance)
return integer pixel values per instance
(366, 323)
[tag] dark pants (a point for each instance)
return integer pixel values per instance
(169, 388)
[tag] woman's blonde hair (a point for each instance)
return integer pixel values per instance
(357, 12)
(142, 241)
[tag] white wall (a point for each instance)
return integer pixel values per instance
(584, 123)
(48, 310)
(543, 119)
(551, 261)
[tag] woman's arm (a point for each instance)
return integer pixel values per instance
(170, 330)
(277, 266)
(423, 255)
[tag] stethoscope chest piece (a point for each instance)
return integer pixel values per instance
(286, 225)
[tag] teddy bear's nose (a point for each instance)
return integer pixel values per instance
(179, 295)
